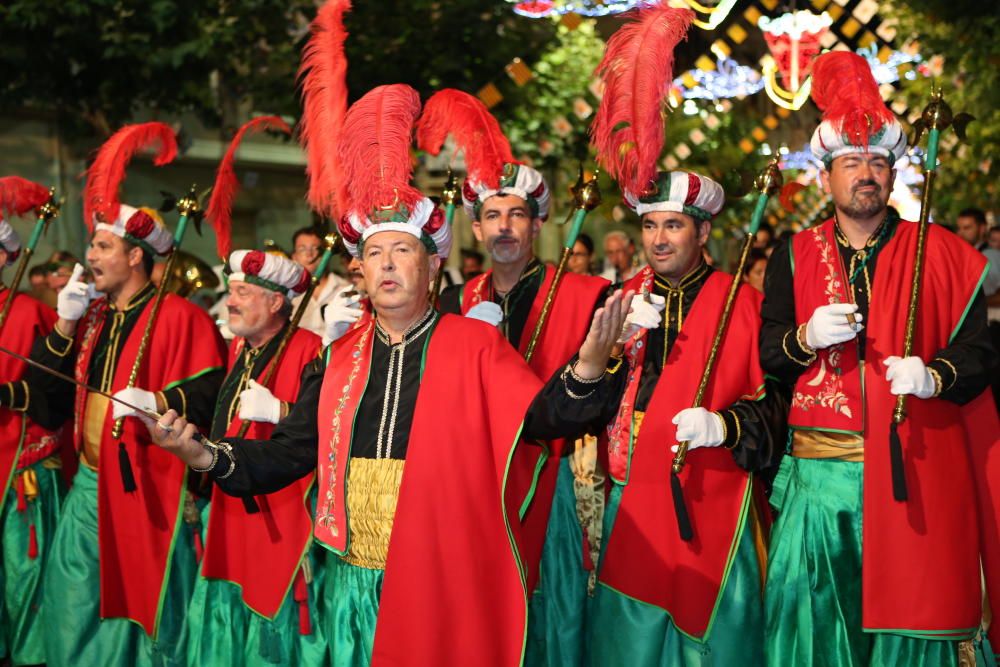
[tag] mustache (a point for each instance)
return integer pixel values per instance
(866, 183)
(233, 310)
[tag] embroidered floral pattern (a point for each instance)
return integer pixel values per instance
(830, 388)
(326, 516)
(92, 323)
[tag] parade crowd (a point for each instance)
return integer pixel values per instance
(525, 464)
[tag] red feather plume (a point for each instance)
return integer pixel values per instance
(375, 148)
(108, 169)
(477, 133)
(324, 95)
(220, 206)
(846, 92)
(19, 195)
(637, 70)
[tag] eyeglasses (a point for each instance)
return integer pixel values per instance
(307, 248)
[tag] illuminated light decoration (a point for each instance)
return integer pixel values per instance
(888, 71)
(794, 42)
(536, 9)
(802, 160)
(728, 79)
(714, 15)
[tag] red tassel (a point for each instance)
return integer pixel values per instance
(22, 501)
(637, 67)
(32, 542)
(220, 207)
(301, 596)
(199, 548)
(477, 134)
(19, 195)
(107, 172)
(375, 149)
(588, 562)
(324, 104)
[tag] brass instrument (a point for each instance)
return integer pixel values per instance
(189, 275)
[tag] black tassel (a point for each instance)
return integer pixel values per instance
(680, 509)
(128, 478)
(896, 460)
(250, 505)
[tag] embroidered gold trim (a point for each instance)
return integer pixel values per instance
(372, 495)
(784, 346)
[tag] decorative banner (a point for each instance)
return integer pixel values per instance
(728, 79)
(794, 42)
(519, 72)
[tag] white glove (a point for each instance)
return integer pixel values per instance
(140, 398)
(829, 326)
(486, 311)
(258, 404)
(699, 428)
(909, 376)
(343, 311)
(643, 315)
(72, 302)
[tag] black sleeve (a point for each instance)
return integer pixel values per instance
(195, 398)
(968, 363)
(450, 300)
(49, 399)
(567, 408)
(781, 355)
(757, 431)
(266, 466)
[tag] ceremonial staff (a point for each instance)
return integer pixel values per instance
(767, 183)
(936, 118)
(188, 207)
(449, 196)
(587, 197)
(47, 212)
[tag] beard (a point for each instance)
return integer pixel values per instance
(506, 253)
(865, 205)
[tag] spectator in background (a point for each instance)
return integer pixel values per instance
(38, 285)
(993, 239)
(472, 263)
(753, 273)
(765, 237)
(307, 250)
(581, 259)
(971, 226)
(619, 253)
(61, 265)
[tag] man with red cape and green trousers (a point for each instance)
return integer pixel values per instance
(30, 467)
(667, 596)
(255, 601)
(859, 575)
(415, 423)
(507, 204)
(122, 562)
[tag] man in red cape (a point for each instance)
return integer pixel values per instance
(256, 594)
(863, 573)
(507, 220)
(663, 599)
(122, 564)
(32, 486)
(414, 425)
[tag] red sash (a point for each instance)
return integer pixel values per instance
(921, 558)
(261, 552)
(22, 442)
(564, 332)
(645, 558)
(136, 530)
(453, 592)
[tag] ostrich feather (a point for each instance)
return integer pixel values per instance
(845, 91)
(19, 195)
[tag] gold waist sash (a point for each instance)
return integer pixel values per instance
(637, 418)
(93, 428)
(372, 493)
(828, 445)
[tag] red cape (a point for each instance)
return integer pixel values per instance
(22, 442)
(921, 558)
(261, 552)
(565, 329)
(645, 557)
(454, 588)
(136, 530)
